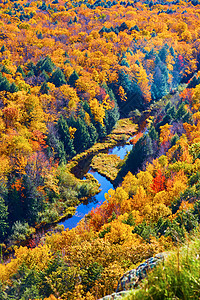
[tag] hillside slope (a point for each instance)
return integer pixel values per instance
(68, 72)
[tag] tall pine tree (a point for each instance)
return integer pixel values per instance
(63, 131)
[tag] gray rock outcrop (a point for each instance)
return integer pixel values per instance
(132, 278)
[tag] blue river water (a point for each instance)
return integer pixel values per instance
(121, 151)
(84, 209)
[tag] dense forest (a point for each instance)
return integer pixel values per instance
(69, 71)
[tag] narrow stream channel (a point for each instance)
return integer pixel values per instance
(84, 209)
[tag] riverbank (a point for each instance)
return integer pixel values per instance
(76, 168)
(80, 164)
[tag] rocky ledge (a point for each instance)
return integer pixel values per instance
(132, 278)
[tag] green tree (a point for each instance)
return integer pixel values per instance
(32, 200)
(45, 75)
(73, 78)
(47, 65)
(3, 219)
(82, 139)
(3, 49)
(55, 148)
(4, 85)
(142, 151)
(160, 87)
(163, 53)
(44, 88)
(63, 131)
(93, 134)
(20, 70)
(58, 78)
(13, 88)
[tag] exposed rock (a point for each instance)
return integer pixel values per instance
(115, 296)
(132, 278)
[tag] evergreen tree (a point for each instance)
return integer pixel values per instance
(43, 6)
(3, 49)
(93, 134)
(63, 131)
(32, 200)
(14, 202)
(181, 111)
(153, 133)
(82, 139)
(101, 130)
(72, 79)
(160, 87)
(3, 219)
(45, 75)
(140, 153)
(47, 65)
(20, 70)
(44, 88)
(125, 63)
(174, 139)
(13, 88)
(111, 117)
(55, 148)
(4, 85)
(163, 53)
(5, 70)
(134, 95)
(58, 78)
(40, 36)
(172, 112)
(31, 67)
(30, 74)
(171, 50)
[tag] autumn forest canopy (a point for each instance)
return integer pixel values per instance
(70, 72)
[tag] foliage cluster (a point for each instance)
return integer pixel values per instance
(68, 70)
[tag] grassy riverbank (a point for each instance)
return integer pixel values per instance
(120, 134)
(73, 190)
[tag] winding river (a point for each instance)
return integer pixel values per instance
(84, 209)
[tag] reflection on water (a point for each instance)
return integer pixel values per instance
(121, 151)
(84, 209)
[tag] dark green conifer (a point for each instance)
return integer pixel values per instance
(20, 70)
(13, 88)
(47, 65)
(58, 78)
(72, 79)
(82, 139)
(3, 49)
(45, 75)
(5, 70)
(30, 74)
(3, 219)
(160, 86)
(44, 88)
(163, 53)
(4, 85)
(63, 131)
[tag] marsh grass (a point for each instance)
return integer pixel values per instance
(106, 165)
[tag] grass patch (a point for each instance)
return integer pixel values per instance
(124, 128)
(107, 165)
(178, 277)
